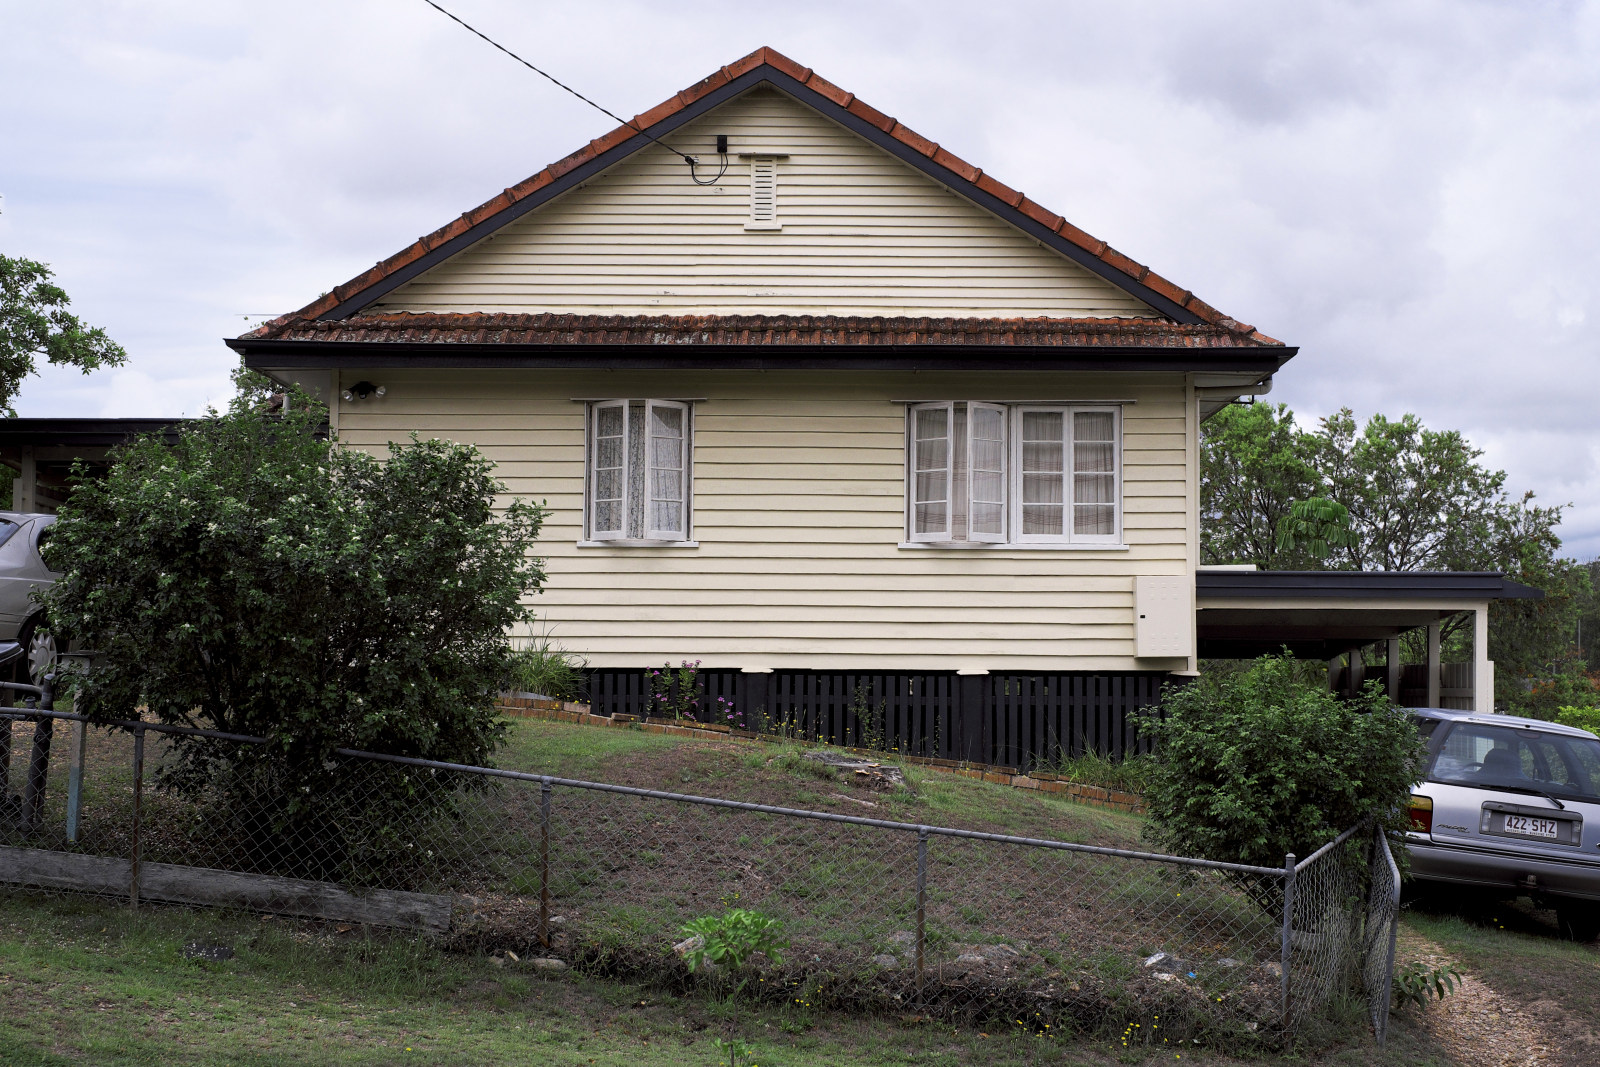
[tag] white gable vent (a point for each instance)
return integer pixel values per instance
(764, 194)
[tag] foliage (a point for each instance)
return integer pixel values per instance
(675, 691)
(1129, 775)
(739, 1051)
(1316, 526)
(1416, 499)
(540, 667)
(1568, 686)
(1254, 464)
(733, 937)
(256, 578)
(34, 322)
(1416, 983)
(1583, 718)
(1255, 764)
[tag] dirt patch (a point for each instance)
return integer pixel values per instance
(1480, 1025)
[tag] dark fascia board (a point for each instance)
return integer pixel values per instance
(82, 432)
(1367, 585)
(304, 355)
(813, 99)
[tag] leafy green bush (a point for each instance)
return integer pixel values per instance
(1255, 764)
(256, 578)
(549, 671)
(1416, 983)
(1582, 718)
(732, 938)
(1568, 688)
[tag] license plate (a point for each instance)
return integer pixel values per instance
(1527, 826)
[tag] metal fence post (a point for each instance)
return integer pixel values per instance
(1285, 948)
(138, 797)
(33, 790)
(922, 903)
(1392, 877)
(544, 861)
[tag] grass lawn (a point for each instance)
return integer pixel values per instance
(88, 982)
(770, 773)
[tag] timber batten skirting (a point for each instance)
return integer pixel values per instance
(1012, 719)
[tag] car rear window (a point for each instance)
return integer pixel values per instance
(1519, 760)
(7, 528)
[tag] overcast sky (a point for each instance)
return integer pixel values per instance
(1406, 190)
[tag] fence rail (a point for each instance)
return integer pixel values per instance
(894, 914)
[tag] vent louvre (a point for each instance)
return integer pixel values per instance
(763, 194)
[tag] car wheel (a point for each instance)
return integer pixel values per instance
(39, 652)
(1579, 920)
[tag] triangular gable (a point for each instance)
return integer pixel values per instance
(1145, 292)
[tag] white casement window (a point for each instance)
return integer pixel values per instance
(763, 194)
(1013, 474)
(639, 471)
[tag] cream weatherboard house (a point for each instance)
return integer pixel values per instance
(828, 409)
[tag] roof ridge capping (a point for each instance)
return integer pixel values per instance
(767, 57)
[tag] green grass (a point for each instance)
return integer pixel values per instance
(569, 750)
(87, 982)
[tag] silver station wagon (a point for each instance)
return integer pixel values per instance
(27, 649)
(1511, 806)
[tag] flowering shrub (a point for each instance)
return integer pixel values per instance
(675, 691)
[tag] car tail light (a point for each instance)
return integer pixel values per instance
(1421, 813)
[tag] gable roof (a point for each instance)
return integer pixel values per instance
(763, 66)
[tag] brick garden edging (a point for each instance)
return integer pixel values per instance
(567, 711)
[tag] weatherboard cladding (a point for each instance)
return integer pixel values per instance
(767, 65)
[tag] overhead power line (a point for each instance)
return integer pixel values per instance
(558, 83)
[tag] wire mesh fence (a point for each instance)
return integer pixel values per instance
(1047, 934)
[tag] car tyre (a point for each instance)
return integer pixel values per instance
(1579, 920)
(39, 651)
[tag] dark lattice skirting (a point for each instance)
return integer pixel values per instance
(1014, 720)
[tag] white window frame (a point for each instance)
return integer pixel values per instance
(1013, 537)
(681, 532)
(1005, 466)
(593, 537)
(912, 470)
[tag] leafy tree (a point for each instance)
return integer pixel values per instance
(34, 322)
(1253, 764)
(1416, 499)
(256, 578)
(1317, 526)
(1254, 465)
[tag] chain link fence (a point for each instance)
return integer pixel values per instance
(1049, 935)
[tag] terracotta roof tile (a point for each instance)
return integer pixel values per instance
(551, 329)
(957, 167)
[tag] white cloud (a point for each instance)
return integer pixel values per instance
(1403, 189)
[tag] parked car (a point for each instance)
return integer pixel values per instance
(1511, 806)
(22, 572)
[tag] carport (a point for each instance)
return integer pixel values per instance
(42, 452)
(1242, 613)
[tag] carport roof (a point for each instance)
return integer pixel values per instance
(1320, 614)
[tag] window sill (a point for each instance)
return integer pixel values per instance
(638, 542)
(990, 546)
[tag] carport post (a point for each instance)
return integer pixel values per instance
(1392, 669)
(1482, 665)
(1433, 665)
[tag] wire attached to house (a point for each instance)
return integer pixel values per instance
(691, 160)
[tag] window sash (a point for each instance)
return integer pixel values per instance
(986, 473)
(931, 437)
(1096, 476)
(1041, 503)
(666, 504)
(608, 470)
